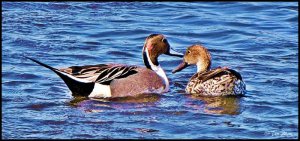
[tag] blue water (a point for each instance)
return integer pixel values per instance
(258, 39)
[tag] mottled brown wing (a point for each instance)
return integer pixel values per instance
(215, 72)
(101, 73)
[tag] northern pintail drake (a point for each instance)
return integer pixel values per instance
(221, 81)
(119, 80)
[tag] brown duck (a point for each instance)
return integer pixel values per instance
(221, 81)
(119, 80)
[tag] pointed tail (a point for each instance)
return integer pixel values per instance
(78, 87)
(42, 64)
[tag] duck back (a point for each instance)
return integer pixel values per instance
(216, 82)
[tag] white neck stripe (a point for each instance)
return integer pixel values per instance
(158, 71)
(153, 67)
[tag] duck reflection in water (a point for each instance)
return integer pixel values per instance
(229, 105)
(119, 103)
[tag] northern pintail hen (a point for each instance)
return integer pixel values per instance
(221, 81)
(119, 80)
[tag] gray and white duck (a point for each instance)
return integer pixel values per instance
(120, 80)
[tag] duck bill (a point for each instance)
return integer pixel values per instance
(172, 52)
(180, 67)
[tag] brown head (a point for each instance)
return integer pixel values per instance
(195, 55)
(155, 45)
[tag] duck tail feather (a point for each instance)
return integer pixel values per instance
(42, 64)
(78, 87)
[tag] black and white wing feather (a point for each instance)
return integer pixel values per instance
(101, 73)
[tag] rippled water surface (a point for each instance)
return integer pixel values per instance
(258, 39)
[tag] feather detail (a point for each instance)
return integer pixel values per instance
(101, 73)
(216, 82)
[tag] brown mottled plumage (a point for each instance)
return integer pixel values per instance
(215, 82)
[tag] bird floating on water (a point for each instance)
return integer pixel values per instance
(120, 80)
(220, 81)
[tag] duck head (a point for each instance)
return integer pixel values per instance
(195, 55)
(155, 45)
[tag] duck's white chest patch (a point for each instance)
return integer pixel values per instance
(100, 91)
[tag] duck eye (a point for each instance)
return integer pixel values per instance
(188, 52)
(164, 40)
